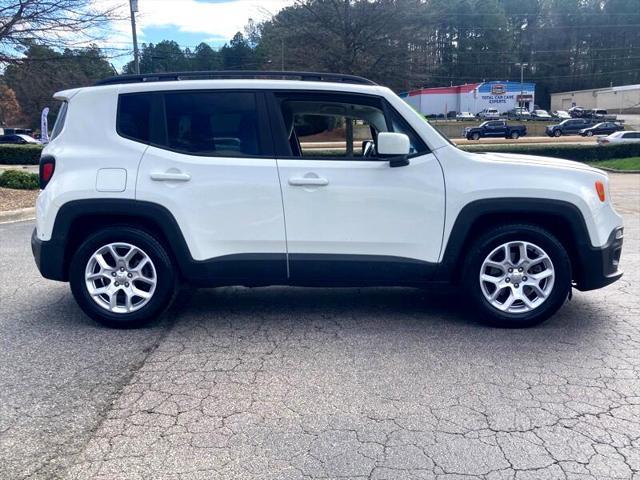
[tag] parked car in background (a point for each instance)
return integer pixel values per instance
(518, 114)
(541, 115)
(495, 128)
(598, 114)
(602, 128)
(14, 130)
(576, 112)
(561, 114)
(620, 137)
(489, 114)
(567, 127)
(17, 139)
(462, 116)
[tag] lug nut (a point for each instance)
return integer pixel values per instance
(524, 279)
(520, 269)
(113, 274)
(126, 284)
(122, 269)
(510, 270)
(116, 284)
(507, 279)
(129, 275)
(516, 285)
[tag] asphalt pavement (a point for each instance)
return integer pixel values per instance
(286, 383)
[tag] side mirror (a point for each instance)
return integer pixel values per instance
(394, 145)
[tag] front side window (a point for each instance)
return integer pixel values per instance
(331, 128)
(212, 123)
(334, 127)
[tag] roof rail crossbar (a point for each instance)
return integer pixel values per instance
(235, 74)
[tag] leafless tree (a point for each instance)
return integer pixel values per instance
(54, 23)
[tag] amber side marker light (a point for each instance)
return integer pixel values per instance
(600, 190)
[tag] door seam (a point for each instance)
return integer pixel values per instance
(284, 219)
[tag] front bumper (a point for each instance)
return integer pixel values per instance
(49, 257)
(599, 267)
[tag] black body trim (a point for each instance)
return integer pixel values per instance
(589, 270)
(600, 265)
(593, 267)
(357, 270)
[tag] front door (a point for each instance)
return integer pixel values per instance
(210, 164)
(350, 217)
(496, 129)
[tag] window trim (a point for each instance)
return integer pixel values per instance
(159, 123)
(61, 120)
(282, 148)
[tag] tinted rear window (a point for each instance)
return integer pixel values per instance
(212, 123)
(134, 112)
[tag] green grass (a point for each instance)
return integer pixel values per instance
(19, 180)
(631, 163)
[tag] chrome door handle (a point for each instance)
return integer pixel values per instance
(304, 181)
(170, 177)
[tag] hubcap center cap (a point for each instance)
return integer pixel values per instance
(516, 277)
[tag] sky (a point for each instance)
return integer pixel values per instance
(188, 22)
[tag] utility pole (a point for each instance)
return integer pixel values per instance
(133, 5)
(282, 54)
(521, 65)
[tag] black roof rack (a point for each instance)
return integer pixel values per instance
(235, 74)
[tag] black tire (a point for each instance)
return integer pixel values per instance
(166, 278)
(485, 244)
(590, 133)
(475, 136)
(557, 133)
(515, 135)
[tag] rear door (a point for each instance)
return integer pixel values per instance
(350, 217)
(210, 163)
(496, 129)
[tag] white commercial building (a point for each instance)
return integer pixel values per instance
(623, 99)
(471, 97)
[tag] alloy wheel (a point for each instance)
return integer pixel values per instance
(517, 277)
(120, 277)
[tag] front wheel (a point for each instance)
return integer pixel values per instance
(589, 133)
(557, 133)
(122, 277)
(517, 276)
(475, 136)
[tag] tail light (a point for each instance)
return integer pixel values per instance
(47, 168)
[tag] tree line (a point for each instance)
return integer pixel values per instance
(403, 44)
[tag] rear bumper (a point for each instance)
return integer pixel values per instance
(599, 267)
(49, 257)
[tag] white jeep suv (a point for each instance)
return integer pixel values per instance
(266, 178)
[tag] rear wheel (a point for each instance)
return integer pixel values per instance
(517, 276)
(122, 277)
(515, 135)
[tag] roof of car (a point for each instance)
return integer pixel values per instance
(326, 84)
(235, 75)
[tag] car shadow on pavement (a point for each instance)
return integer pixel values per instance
(396, 306)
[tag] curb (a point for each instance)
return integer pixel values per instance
(612, 170)
(18, 215)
